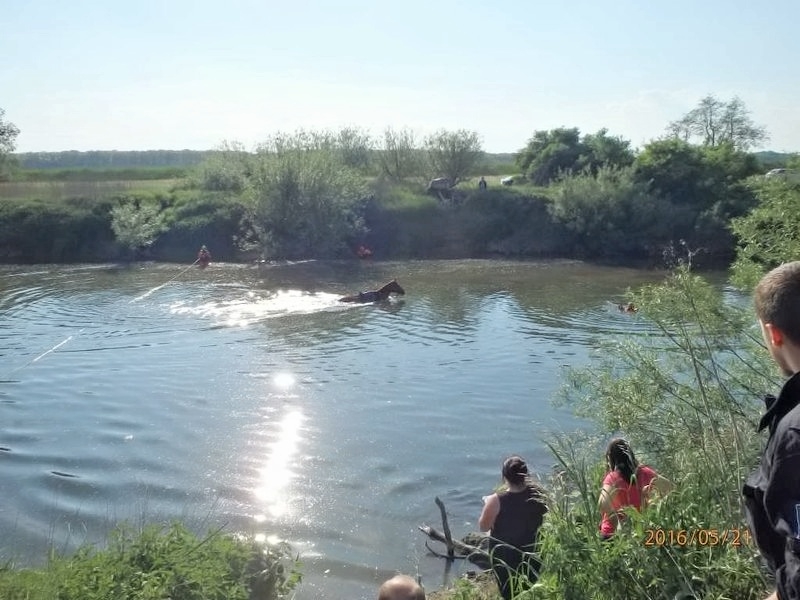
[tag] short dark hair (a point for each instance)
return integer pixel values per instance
(515, 471)
(777, 299)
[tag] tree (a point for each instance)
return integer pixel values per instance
(551, 153)
(356, 148)
(610, 214)
(137, 224)
(8, 136)
(453, 154)
(303, 199)
(226, 169)
(603, 150)
(399, 157)
(706, 186)
(767, 236)
(716, 122)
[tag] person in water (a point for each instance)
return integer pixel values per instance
(204, 256)
(513, 517)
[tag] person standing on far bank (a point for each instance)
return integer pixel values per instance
(772, 492)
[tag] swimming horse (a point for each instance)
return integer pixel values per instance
(378, 295)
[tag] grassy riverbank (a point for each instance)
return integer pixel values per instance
(156, 563)
(299, 201)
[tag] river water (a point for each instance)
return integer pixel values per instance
(250, 397)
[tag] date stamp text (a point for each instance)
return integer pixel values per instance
(701, 537)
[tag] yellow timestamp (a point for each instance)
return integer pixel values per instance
(702, 537)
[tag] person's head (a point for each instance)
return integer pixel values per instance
(515, 471)
(620, 457)
(401, 587)
(777, 304)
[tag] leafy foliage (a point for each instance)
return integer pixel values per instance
(8, 137)
(303, 198)
(226, 170)
(770, 234)
(610, 214)
(399, 155)
(706, 187)
(137, 224)
(158, 563)
(453, 154)
(44, 231)
(716, 123)
(549, 154)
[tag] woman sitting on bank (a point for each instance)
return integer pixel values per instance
(627, 483)
(514, 516)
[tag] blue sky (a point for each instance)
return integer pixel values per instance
(174, 74)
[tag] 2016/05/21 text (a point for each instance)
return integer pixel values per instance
(699, 537)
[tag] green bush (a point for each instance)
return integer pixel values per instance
(55, 231)
(158, 563)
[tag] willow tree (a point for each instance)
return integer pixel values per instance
(303, 198)
(453, 154)
(399, 154)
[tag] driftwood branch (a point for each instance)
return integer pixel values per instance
(448, 539)
(464, 550)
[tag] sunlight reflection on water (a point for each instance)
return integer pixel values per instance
(277, 472)
(255, 307)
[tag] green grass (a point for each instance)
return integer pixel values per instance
(58, 190)
(156, 563)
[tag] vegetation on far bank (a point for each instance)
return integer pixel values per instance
(322, 194)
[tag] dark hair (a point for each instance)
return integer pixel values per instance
(515, 471)
(777, 299)
(620, 457)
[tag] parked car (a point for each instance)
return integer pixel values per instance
(790, 175)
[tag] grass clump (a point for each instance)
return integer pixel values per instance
(157, 563)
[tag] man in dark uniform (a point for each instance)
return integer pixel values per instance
(772, 492)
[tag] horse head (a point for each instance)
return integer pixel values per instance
(393, 287)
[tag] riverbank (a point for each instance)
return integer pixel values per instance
(62, 218)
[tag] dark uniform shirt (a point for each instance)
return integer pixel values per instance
(520, 516)
(772, 492)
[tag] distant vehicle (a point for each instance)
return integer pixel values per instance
(790, 175)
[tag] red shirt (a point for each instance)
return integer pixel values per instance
(624, 493)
